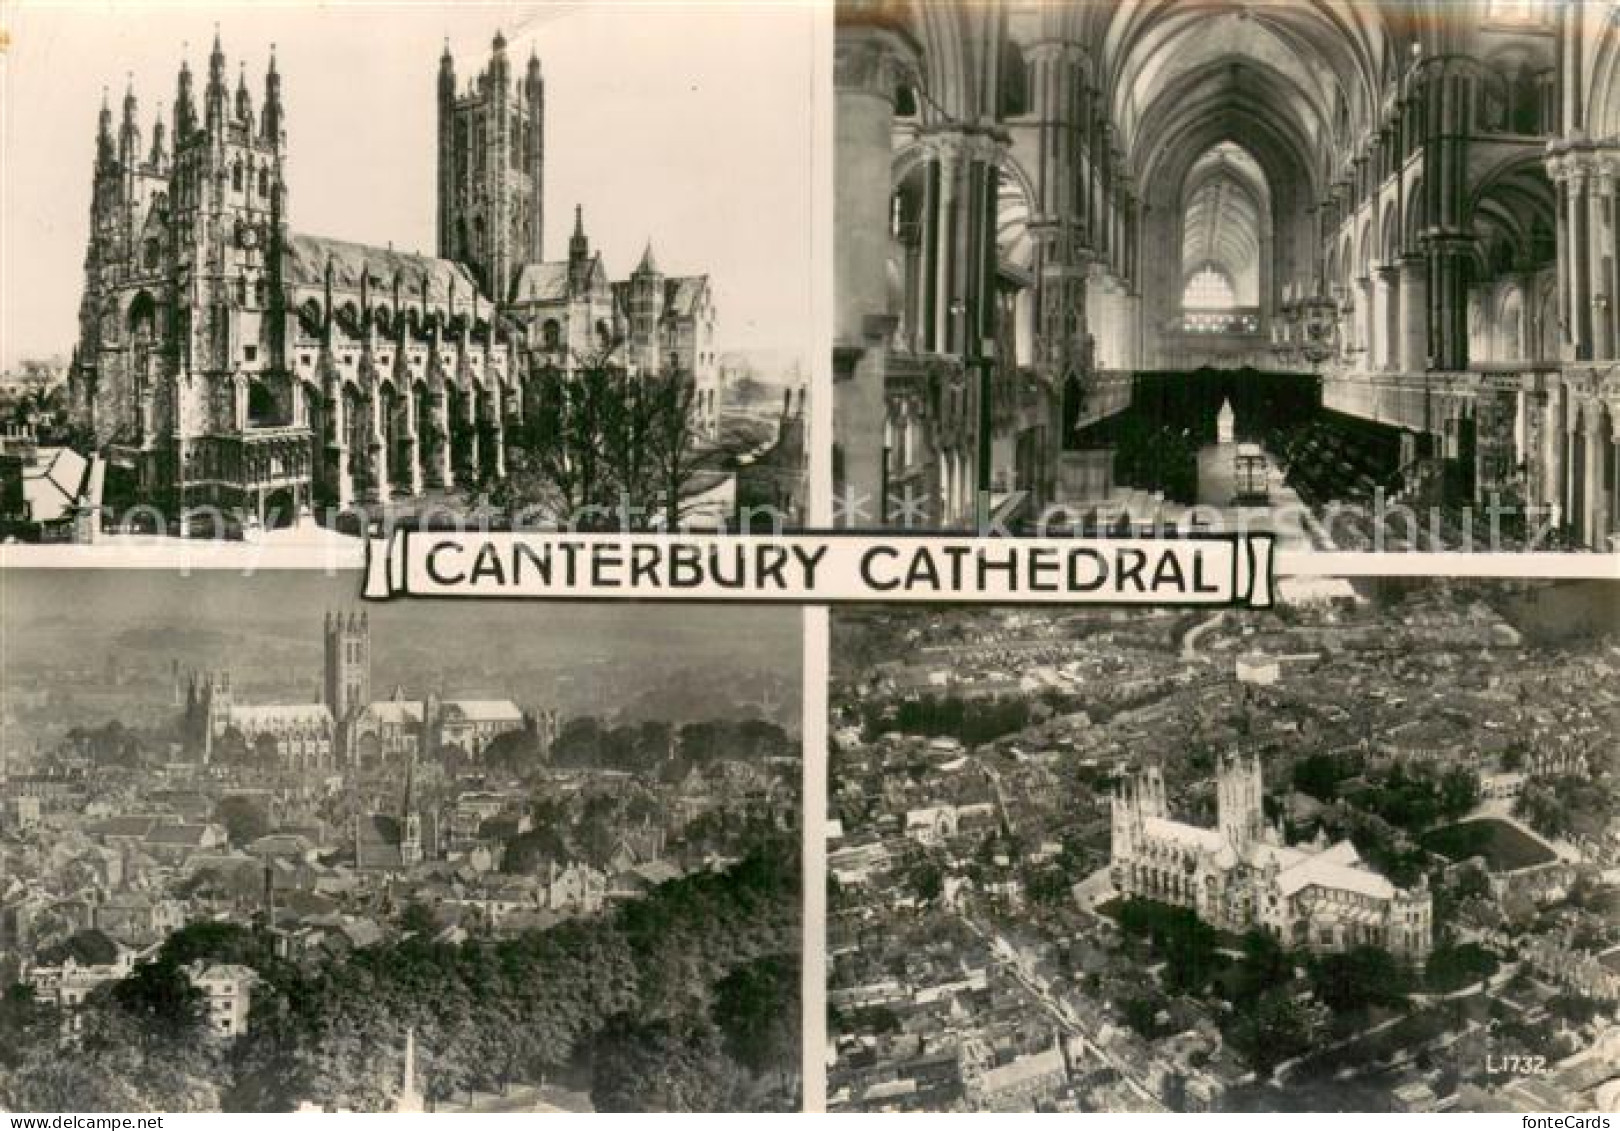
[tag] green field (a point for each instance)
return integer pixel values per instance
(1503, 846)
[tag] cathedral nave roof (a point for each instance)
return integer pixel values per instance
(396, 712)
(1339, 868)
(1186, 836)
(308, 255)
(286, 715)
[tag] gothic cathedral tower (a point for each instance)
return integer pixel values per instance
(181, 275)
(491, 170)
(348, 665)
(1239, 800)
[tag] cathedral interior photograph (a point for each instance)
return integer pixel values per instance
(809, 556)
(1341, 270)
(528, 295)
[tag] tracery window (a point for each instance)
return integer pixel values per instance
(1518, 13)
(1208, 289)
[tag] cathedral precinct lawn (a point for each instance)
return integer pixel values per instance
(1503, 846)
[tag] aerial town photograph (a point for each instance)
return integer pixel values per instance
(1360, 852)
(230, 313)
(1281, 263)
(263, 848)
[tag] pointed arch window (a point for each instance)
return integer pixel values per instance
(1208, 289)
(1518, 13)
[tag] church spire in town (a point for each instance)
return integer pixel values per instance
(410, 1096)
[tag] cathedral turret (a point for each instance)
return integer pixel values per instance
(244, 100)
(648, 265)
(532, 83)
(449, 247)
(158, 158)
(1239, 801)
(579, 253)
(105, 147)
(129, 133)
(534, 103)
(447, 75)
(214, 98)
(185, 109)
(578, 246)
(271, 126)
(499, 70)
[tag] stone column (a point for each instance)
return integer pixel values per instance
(1601, 253)
(1579, 245)
(871, 59)
(1595, 508)
(1386, 317)
(1364, 322)
(868, 69)
(923, 333)
(1574, 467)
(1414, 315)
(945, 244)
(1567, 169)
(1611, 494)
(1526, 330)
(1448, 299)
(1552, 453)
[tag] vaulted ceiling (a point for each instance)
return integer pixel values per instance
(1224, 204)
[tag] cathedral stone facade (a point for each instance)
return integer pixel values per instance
(1240, 876)
(227, 359)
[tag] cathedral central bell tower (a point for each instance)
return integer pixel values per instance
(492, 170)
(1239, 800)
(347, 688)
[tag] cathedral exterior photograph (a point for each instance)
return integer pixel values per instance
(234, 372)
(1240, 874)
(810, 556)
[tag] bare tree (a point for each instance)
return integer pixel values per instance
(600, 437)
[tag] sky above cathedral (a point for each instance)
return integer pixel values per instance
(691, 128)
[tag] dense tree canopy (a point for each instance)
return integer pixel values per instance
(685, 988)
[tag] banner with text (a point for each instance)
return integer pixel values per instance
(822, 568)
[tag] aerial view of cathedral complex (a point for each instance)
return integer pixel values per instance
(1240, 875)
(227, 359)
(345, 728)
